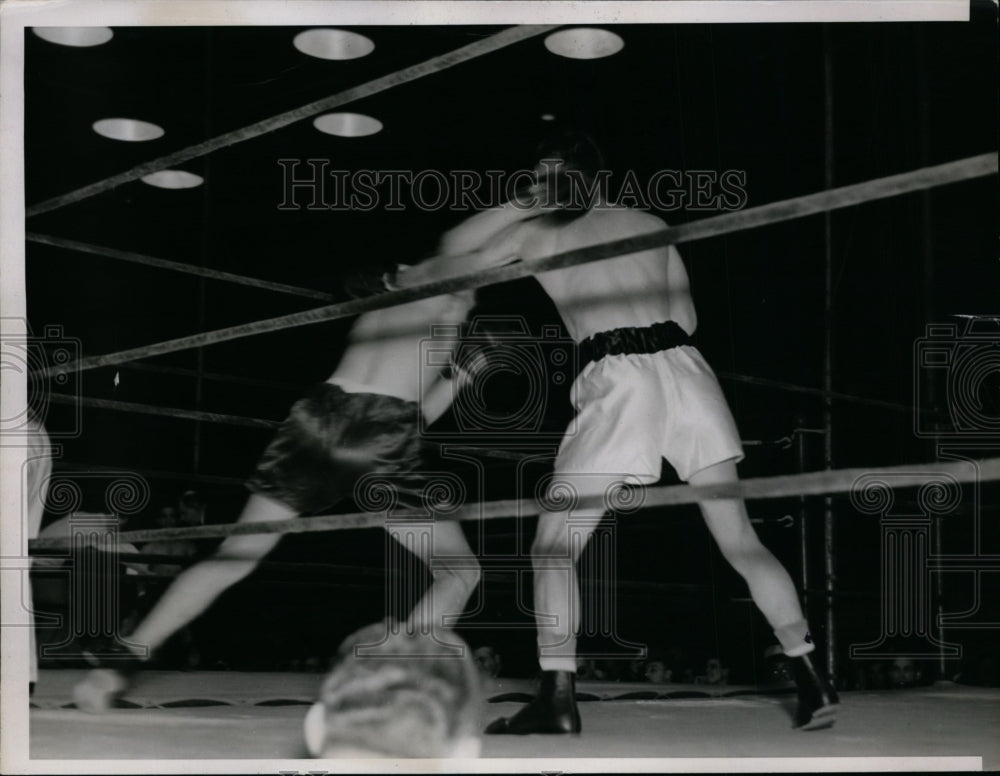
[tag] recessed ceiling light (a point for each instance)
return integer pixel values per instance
(548, 117)
(173, 179)
(129, 130)
(584, 43)
(333, 44)
(347, 124)
(74, 36)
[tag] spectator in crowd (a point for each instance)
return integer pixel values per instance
(615, 669)
(636, 670)
(488, 660)
(171, 517)
(715, 672)
(778, 670)
(877, 676)
(905, 672)
(658, 673)
(191, 509)
(402, 696)
(587, 668)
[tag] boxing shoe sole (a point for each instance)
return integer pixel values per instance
(502, 727)
(822, 718)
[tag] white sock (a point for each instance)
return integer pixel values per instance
(795, 639)
(558, 663)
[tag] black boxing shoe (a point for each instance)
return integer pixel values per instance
(817, 699)
(552, 711)
(113, 674)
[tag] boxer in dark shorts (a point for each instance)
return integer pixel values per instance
(331, 439)
(364, 419)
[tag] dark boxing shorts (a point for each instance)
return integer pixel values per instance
(330, 439)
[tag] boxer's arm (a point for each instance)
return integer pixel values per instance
(502, 248)
(472, 233)
(439, 392)
(439, 395)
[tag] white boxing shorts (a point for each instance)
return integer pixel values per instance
(635, 409)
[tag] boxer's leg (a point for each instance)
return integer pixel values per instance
(772, 590)
(196, 588)
(770, 585)
(190, 594)
(454, 572)
(559, 541)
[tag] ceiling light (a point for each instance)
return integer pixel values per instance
(333, 44)
(173, 179)
(347, 124)
(74, 36)
(548, 117)
(129, 130)
(584, 43)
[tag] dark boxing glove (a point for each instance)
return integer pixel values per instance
(490, 344)
(369, 282)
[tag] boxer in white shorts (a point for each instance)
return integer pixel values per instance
(635, 409)
(645, 394)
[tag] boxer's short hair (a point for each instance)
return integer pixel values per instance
(577, 150)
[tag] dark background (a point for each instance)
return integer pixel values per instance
(686, 97)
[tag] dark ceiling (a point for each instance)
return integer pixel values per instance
(685, 97)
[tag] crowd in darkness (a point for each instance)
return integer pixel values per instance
(144, 569)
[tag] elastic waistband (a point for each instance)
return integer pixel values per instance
(353, 388)
(332, 397)
(633, 339)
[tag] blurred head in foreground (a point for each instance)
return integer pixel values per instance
(409, 696)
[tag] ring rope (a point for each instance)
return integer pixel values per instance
(239, 420)
(74, 467)
(143, 366)
(176, 266)
(375, 574)
(77, 467)
(433, 65)
(168, 412)
(819, 392)
(775, 212)
(805, 484)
